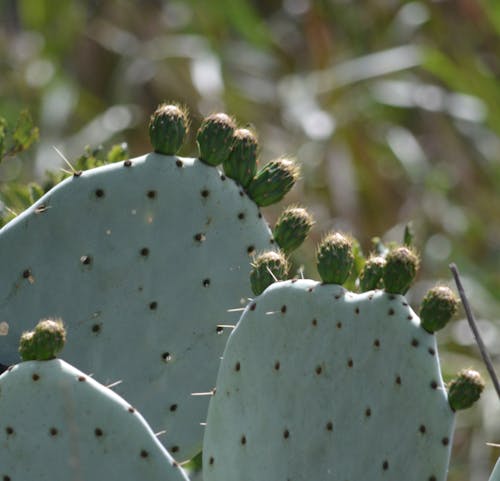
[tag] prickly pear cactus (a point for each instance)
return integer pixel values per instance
(495, 474)
(144, 260)
(317, 382)
(59, 424)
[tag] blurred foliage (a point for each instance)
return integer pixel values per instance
(391, 107)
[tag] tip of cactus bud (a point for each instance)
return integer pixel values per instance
(273, 182)
(400, 270)
(44, 342)
(334, 258)
(241, 164)
(438, 306)
(292, 228)
(371, 275)
(465, 389)
(267, 268)
(168, 127)
(215, 137)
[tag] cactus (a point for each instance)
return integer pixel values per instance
(495, 474)
(144, 259)
(345, 386)
(59, 424)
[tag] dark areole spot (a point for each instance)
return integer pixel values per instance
(179, 163)
(99, 193)
(329, 426)
(241, 215)
(144, 252)
(144, 453)
(86, 260)
(96, 328)
(127, 163)
(174, 449)
(206, 282)
(385, 465)
(26, 273)
(173, 408)
(253, 305)
(205, 193)
(151, 194)
(286, 433)
(53, 431)
(35, 377)
(250, 249)
(237, 366)
(391, 312)
(98, 432)
(219, 330)
(153, 305)
(9, 430)
(283, 309)
(243, 440)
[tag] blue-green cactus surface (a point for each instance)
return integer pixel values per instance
(59, 424)
(143, 259)
(320, 383)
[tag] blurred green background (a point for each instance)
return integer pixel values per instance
(391, 108)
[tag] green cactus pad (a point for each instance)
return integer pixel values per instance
(465, 389)
(241, 164)
(214, 138)
(59, 424)
(168, 127)
(44, 343)
(400, 270)
(143, 259)
(495, 474)
(438, 307)
(267, 268)
(371, 275)
(292, 228)
(334, 258)
(273, 182)
(344, 387)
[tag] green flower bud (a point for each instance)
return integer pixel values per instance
(292, 228)
(241, 164)
(267, 268)
(214, 138)
(26, 348)
(44, 343)
(438, 307)
(273, 182)
(400, 270)
(334, 258)
(168, 127)
(371, 275)
(465, 390)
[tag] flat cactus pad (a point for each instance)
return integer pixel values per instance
(320, 383)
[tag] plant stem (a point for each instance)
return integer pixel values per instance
(475, 330)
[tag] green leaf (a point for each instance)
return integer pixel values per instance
(25, 133)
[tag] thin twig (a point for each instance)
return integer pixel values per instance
(475, 330)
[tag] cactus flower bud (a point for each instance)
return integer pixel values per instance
(214, 138)
(438, 307)
(400, 270)
(334, 258)
(371, 275)
(465, 390)
(44, 343)
(168, 127)
(292, 228)
(241, 164)
(267, 268)
(273, 182)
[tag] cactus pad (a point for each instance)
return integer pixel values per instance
(345, 387)
(142, 259)
(57, 424)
